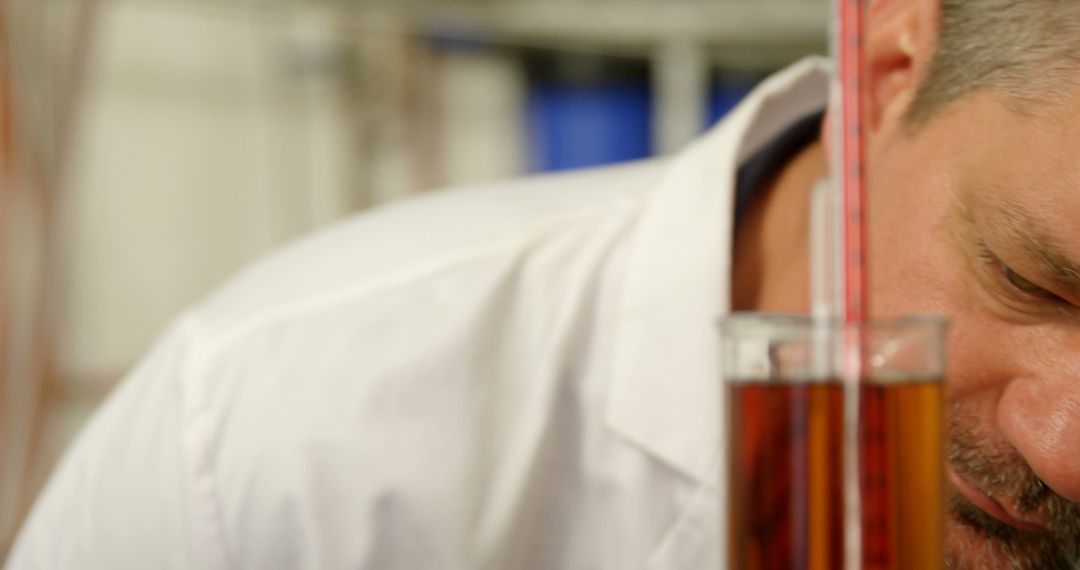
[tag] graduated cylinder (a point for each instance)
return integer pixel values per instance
(785, 416)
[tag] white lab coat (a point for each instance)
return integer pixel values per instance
(522, 376)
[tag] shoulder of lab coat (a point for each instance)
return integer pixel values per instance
(361, 359)
(427, 386)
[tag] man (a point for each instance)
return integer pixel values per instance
(525, 377)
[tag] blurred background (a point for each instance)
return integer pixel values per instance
(149, 148)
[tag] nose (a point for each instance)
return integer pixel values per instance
(1041, 418)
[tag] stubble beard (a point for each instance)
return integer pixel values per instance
(977, 541)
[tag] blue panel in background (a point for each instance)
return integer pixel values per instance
(580, 126)
(724, 95)
(587, 111)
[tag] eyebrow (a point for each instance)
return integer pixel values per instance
(1021, 230)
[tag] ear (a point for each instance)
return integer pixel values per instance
(899, 42)
(900, 38)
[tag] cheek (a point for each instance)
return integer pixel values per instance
(910, 261)
(916, 267)
(920, 278)
(976, 373)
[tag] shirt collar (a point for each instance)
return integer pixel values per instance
(665, 394)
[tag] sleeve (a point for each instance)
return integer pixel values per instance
(126, 495)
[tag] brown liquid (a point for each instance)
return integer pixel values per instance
(785, 478)
(902, 440)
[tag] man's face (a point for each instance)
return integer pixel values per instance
(977, 216)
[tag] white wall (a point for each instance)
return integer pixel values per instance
(209, 136)
(167, 190)
(482, 97)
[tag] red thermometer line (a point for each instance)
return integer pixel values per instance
(876, 501)
(853, 176)
(868, 453)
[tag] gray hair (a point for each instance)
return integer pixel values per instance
(1026, 52)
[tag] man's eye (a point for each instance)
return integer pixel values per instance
(1020, 283)
(1015, 282)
